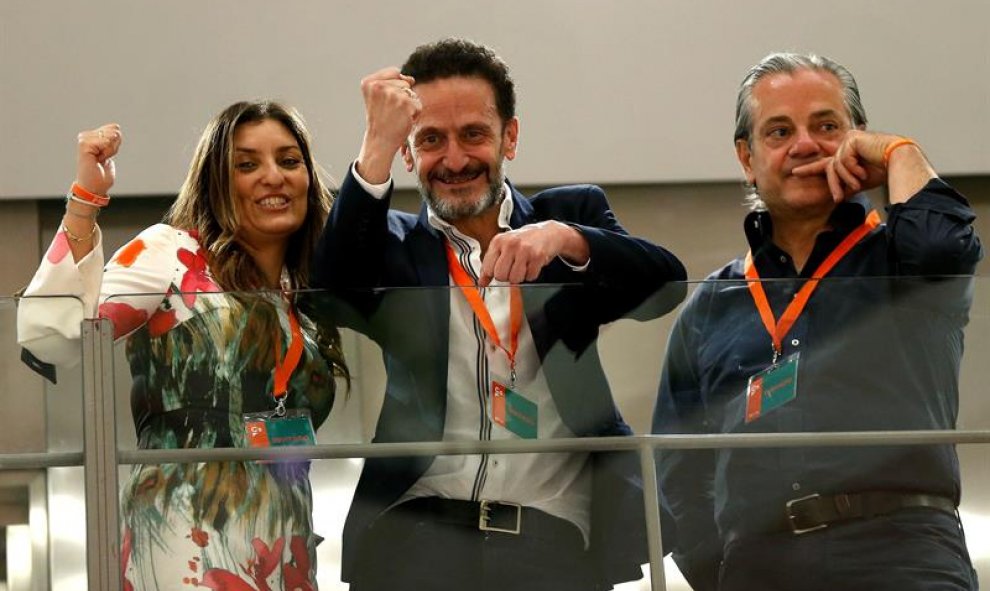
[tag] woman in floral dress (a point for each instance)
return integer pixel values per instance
(219, 339)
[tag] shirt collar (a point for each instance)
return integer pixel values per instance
(846, 216)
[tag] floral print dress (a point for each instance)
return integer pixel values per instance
(199, 360)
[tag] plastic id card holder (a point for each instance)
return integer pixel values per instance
(772, 388)
(266, 429)
(513, 411)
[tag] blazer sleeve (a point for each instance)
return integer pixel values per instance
(617, 258)
(351, 249)
(626, 277)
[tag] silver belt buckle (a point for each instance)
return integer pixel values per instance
(791, 517)
(484, 516)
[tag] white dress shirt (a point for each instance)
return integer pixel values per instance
(556, 483)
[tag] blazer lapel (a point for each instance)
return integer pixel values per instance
(428, 256)
(534, 296)
(522, 210)
(432, 308)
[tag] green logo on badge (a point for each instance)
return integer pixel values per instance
(520, 415)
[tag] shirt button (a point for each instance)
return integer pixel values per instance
(495, 463)
(783, 259)
(795, 487)
(795, 342)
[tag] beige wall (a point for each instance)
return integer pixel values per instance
(635, 90)
(19, 230)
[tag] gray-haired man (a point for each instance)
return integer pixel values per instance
(850, 352)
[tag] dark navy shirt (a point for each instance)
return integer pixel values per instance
(880, 343)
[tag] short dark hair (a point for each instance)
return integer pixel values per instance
(456, 57)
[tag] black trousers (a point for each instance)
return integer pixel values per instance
(909, 550)
(414, 551)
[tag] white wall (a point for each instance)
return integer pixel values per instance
(610, 92)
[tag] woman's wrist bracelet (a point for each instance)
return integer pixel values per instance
(75, 238)
(93, 206)
(88, 197)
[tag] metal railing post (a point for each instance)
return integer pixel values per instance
(651, 499)
(100, 457)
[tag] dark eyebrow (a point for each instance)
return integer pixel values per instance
(823, 114)
(775, 120)
(483, 127)
(425, 131)
(285, 148)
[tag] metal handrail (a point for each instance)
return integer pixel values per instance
(583, 444)
(39, 460)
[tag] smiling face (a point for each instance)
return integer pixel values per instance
(458, 145)
(270, 182)
(797, 118)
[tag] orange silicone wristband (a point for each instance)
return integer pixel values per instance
(904, 141)
(97, 200)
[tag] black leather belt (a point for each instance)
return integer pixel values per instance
(815, 512)
(488, 516)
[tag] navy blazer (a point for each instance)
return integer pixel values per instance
(366, 246)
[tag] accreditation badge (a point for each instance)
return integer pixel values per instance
(772, 388)
(267, 429)
(513, 411)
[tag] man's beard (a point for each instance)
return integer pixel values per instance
(452, 209)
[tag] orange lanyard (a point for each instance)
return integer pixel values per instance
(473, 297)
(284, 368)
(778, 330)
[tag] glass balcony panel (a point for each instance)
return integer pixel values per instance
(632, 348)
(42, 512)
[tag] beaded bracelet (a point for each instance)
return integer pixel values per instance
(88, 197)
(904, 141)
(75, 238)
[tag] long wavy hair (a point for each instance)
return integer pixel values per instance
(207, 205)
